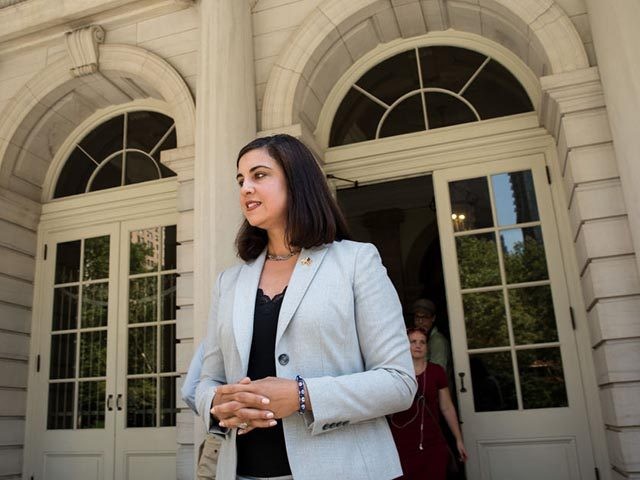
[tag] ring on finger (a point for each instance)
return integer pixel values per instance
(243, 425)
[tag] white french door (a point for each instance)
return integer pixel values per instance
(518, 381)
(106, 379)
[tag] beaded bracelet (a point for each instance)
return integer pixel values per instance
(302, 400)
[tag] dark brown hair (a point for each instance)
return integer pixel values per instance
(313, 216)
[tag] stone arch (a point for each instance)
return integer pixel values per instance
(336, 34)
(54, 102)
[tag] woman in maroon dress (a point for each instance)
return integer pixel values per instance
(423, 450)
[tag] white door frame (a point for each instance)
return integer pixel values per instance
(496, 431)
(424, 153)
(81, 213)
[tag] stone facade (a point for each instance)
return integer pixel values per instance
(276, 65)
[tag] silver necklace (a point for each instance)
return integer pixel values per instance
(280, 258)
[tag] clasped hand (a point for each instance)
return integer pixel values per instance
(254, 404)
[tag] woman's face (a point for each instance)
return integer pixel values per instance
(263, 190)
(418, 345)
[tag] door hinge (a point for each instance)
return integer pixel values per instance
(573, 318)
(596, 470)
(38, 363)
(548, 174)
(45, 251)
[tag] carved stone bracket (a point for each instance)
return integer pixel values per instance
(82, 46)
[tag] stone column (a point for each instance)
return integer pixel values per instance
(225, 121)
(616, 36)
(574, 111)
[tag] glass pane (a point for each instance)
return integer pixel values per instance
(93, 353)
(485, 319)
(141, 402)
(532, 315)
(523, 252)
(74, 175)
(168, 304)
(542, 378)
(515, 197)
(170, 243)
(478, 260)
(392, 78)
(96, 258)
(168, 408)
(493, 382)
(95, 305)
(143, 299)
(68, 262)
(63, 356)
(406, 117)
(146, 129)
(356, 119)
(495, 92)
(470, 204)
(448, 67)
(140, 168)
(91, 404)
(105, 140)
(168, 348)
(169, 143)
(60, 408)
(65, 308)
(142, 350)
(109, 176)
(444, 110)
(144, 251)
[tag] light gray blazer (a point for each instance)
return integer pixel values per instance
(341, 327)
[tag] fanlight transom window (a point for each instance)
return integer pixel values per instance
(426, 88)
(121, 151)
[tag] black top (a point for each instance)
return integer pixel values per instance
(262, 452)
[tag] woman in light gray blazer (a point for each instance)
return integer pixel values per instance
(306, 350)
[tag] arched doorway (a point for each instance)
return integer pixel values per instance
(517, 376)
(106, 289)
(115, 212)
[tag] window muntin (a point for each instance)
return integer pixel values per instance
(121, 151)
(426, 88)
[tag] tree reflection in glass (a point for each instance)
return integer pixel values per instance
(485, 319)
(142, 350)
(478, 260)
(542, 378)
(532, 315)
(95, 305)
(143, 299)
(141, 402)
(93, 353)
(91, 404)
(96, 258)
(524, 257)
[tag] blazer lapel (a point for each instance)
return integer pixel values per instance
(244, 306)
(304, 271)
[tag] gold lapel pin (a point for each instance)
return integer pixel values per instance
(306, 261)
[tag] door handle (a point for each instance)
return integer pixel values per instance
(110, 403)
(461, 375)
(119, 401)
